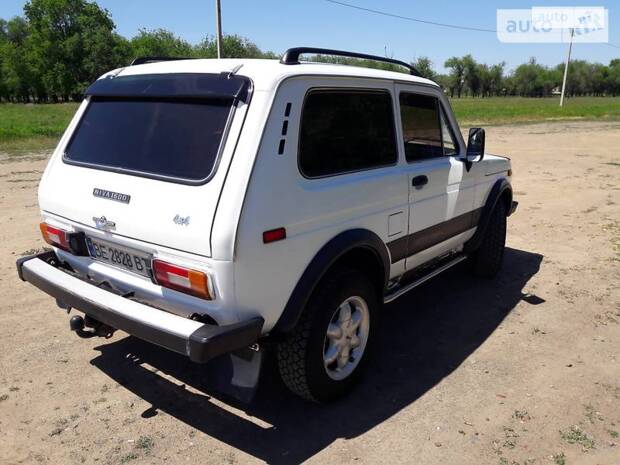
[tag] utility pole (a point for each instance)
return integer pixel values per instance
(218, 16)
(570, 48)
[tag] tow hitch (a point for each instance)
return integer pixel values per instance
(95, 328)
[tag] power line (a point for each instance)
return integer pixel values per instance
(407, 18)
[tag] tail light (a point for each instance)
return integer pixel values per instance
(54, 236)
(72, 242)
(182, 279)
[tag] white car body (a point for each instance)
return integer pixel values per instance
(254, 189)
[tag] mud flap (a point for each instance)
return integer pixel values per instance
(235, 374)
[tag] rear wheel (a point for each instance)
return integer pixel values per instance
(487, 259)
(327, 351)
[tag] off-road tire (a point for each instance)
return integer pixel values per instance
(487, 260)
(300, 355)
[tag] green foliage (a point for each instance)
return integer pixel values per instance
(71, 42)
(534, 80)
(510, 110)
(456, 78)
(23, 121)
(559, 459)
(159, 43)
(531, 79)
(59, 47)
(232, 46)
(424, 65)
(145, 443)
(574, 435)
(32, 128)
(35, 128)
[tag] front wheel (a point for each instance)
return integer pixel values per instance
(327, 351)
(487, 259)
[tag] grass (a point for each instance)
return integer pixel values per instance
(35, 128)
(129, 457)
(559, 459)
(574, 435)
(145, 443)
(511, 110)
(521, 415)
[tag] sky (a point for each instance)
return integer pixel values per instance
(279, 24)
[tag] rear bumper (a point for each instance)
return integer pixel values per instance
(199, 341)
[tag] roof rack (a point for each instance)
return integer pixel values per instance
(144, 60)
(291, 57)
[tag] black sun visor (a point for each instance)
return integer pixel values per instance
(223, 86)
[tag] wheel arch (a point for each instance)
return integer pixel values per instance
(356, 247)
(500, 192)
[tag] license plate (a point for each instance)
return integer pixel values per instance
(119, 256)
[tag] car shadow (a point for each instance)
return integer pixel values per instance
(423, 337)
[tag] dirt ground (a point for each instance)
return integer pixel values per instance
(523, 369)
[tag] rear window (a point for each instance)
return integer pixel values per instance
(344, 131)
(168, 138)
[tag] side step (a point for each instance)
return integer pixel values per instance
(401, 290)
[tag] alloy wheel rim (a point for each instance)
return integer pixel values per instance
(346, 338)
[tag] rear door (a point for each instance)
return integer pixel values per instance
(441, 190)
(147, 163)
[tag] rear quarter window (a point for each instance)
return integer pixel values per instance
(346, 130)
(167, 138)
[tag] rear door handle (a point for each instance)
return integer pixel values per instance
(419, 181)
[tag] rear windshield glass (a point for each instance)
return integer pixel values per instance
(169, 138)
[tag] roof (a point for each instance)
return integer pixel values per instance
(267, 74)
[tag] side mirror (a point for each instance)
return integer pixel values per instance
(475, 144)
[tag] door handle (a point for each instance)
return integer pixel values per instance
(419, 181)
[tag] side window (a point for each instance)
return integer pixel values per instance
(346, 130)
(421, 126)
(450, 148)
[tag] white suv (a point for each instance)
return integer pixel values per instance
(215, 207)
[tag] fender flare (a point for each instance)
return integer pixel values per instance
(497, 191)
(322, 261)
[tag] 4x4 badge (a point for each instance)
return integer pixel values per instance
(181, 220)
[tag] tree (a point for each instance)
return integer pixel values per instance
(472, 75)
(484, 72)
(233, 46)
(613, 77)
(16, 76)
(3, 41)
(534, 80)
(599, 74)
(457, 75)
(3, 31)
(496, 79)
(70, 42)
(61, 46)
(159, 42)
(17, 30)
(16, 72)
(425, 66)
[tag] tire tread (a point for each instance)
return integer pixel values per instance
(487, 260)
